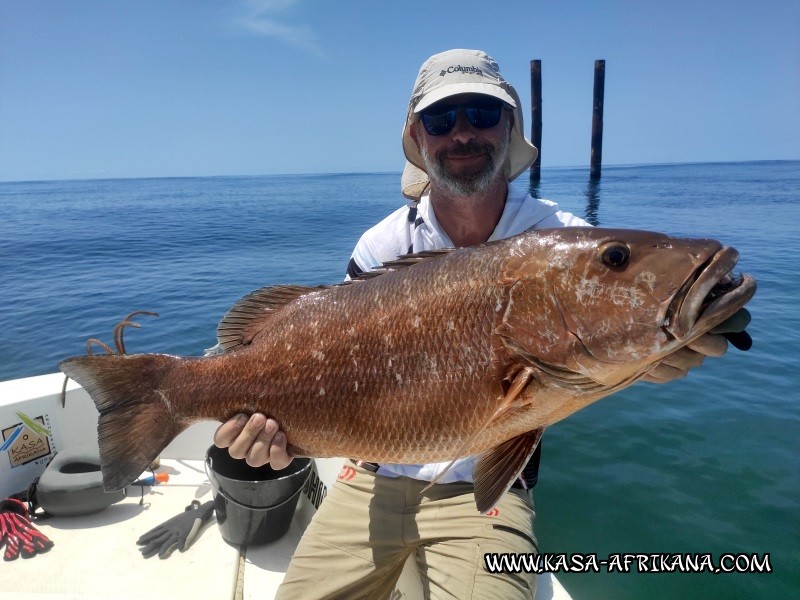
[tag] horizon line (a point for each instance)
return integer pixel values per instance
(335, 173)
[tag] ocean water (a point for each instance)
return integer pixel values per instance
(710, 464)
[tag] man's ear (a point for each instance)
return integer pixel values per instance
(414, 133)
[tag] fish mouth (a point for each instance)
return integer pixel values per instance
(709, 296)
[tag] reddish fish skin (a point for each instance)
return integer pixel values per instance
(407, 367)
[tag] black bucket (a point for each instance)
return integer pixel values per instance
(254, 505)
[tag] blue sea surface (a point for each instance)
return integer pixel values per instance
(709, 464)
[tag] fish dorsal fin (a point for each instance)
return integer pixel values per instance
(407, 260)
(519, 379)
(496, 470)
(403, 261)
(240, 324)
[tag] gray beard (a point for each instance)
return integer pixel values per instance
(469, 183)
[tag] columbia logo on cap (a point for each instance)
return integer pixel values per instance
(459, 68)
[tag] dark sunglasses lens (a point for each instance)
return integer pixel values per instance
(439, 122)
(483, 114)
(483, 118)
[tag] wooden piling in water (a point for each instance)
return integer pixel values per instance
(597, 118)
(536, 117)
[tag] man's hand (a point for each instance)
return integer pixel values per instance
(678, 364)
(713, 343)
(258, 440)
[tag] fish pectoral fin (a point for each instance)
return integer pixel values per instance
(496, 470)
(559, 374)
(521, 378)
(239, 325)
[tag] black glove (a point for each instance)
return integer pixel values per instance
(733, 330)
(178, 532)
(18, 533)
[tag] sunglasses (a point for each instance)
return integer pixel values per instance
(482, 113)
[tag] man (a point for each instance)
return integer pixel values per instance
(464, 142)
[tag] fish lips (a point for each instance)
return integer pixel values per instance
(708, 297)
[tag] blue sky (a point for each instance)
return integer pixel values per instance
(95, 89)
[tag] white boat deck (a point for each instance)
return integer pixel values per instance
(96, 557)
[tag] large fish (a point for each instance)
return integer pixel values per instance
(455, 353)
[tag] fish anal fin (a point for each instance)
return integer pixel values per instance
(240, 324)
(496, 470)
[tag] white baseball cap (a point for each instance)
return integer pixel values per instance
(452, 73)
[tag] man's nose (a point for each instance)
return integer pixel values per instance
(463, 131)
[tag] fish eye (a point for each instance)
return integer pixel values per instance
(615, 254)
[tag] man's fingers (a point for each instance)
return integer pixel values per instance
(662, 373)
(684, 359)
(677, 364)
(229, 430)
(255, 427)
(279, 458)
(674, 366)
(259, 452)
(710, 345)
(257, 440)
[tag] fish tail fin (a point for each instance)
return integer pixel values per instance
(137, 420)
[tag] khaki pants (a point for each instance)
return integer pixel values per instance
(357, 543)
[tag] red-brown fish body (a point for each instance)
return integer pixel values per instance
(471, 352)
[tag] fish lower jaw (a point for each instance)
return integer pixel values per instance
(710, 295)
(724, 299)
